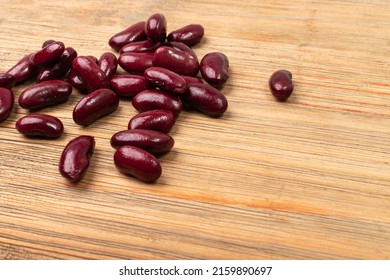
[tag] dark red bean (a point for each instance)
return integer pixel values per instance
(128, 85)
(49, 54)
(156, 28)
(90, 73)
(133, 62)
(45, 94)
(95, 105)
(108, 63)
(189, 34)
(75, 81)
(214, 68)
(7, 101)
(141, 46)
(206, 99)
(158, 120)
(7, 80)
(192, 80)
(47, 42)
(166, 79)
(76, 156)
(138, 163)
(153, 99)
(23, 69)
(281, 85)
(154, 142)
(133, 33)
(40, 125)
(180, 47)
(183, 63)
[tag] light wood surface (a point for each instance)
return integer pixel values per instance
(305, 179)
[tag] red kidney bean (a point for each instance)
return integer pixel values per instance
(158, 120)
(7, 101)
(44, 94)
(75, 81)
(156, 28)
(95, 105)
(183, 63)
(133, 62)
(192, 80)
(23, 69)
(40, 125)
(153, 99)
(108, 63)
(138, 163)
(133, 33)
(128, 85)
(180, 47)
(206, 99)
(90, 73)
(49, 54)
(76, 156)
(140, 46)
(166, 79)
(47, 42)
(60, 68)
(154, 142)
(214, 68)
(7, 80)
(189, 34)
(280, 84)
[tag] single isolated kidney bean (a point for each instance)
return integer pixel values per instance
(133, 33)
(90, 73)
(166, 79)
(156, 28)
(183, 63)
(44, 94)
(140, 46)
(128, 85)
(189, 34)
(75, 81)
(214, 68)
(138, 163)
(7, 80)
(95, 105)
(281, 85)
(133, 62)
(154, 142)
(40, 125)
(206, 99)
(153, 99)
(49, 54)
(158, 120)
(108, 63)
(76, 156)
(7, 101)
(23, 69)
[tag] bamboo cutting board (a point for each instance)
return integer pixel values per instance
(304, 179)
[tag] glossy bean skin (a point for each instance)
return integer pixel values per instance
(166, 80)
(138, 163)
(137, 63)
(152, 141)
(7, 80)
(153, 99)
(181, 62)
(108, 62)
(45, 94)
(189, 34)
(75, 158)
(192, 79)
(75, 81)
(94, 106)
(23, 69)
(140, 46)
(90, 73)
(48, 54)
(206, 99)
(128, 85)
(158, 120)
(156, 28)
(180, 47)
(214, 68)
(133, 33)
(7, 101)
(47, 42)
(281, 85)
(40, 125)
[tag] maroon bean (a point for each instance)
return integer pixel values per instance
(7, 80)
(44, 94)
(108, 63)
(156, 28)
(158, 120)
(280, 84)
(49, 54)
(133, 33)
(40, 125)
(180, 47)
(192, 80)
(154, 142)
(141, 46)
(189, 34)
(214, 68)
(128, 85)
(166, 79)
(76, 156)
(90, 73)
(47, 42)
(133, 62)
(75, 81)
(153, 99)
(183, 63)
(23, 69)
(138, 163)
(7, 101)
(206, 99)
(95, 105)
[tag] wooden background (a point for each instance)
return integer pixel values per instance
(305, 179)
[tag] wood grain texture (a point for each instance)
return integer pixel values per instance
(305, 179)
